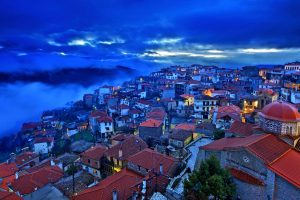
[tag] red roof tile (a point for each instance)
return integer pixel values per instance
(288, 167)
(185, 126)
(151, 160)
(265, 146)
(94, 153)
(130, 146)
(151, 123)
(43, 139)
(27, 183)
(226, 143)
(185, 96)
(269, 148)
(241, 129)
(104, 119)
(245, 177)
(25, 157)
(4, 195)
(98, 114)
(7, 169)
(122, 182)
(157, 113)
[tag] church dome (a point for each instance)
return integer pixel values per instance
(281, 111)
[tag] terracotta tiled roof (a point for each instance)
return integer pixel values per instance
(151, 160)
(231, 111)
(157, 113)
(145, 102)
(28, 183)
(181, 135)
(151, 123)
(44, 139)
(104, 119)
(7, 169)
(288, 167)
(119, 137)
(245, 177)
(95, 153)
(124, 106)
(122, 182)
(227, 143)
(4, 195)
(186, 126)
(98, 114)
(267, 91)
(25, 157)
(267, 147)
(135, 111)
(185, 96)
(241, 129)
(130, 146)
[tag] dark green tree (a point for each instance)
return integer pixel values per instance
(218, 134)
(210, 180)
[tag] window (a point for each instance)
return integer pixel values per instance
(246, 159)
(89, 161)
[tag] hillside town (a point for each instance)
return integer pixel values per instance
(142, 139)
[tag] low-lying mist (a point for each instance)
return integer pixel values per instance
(25, 100)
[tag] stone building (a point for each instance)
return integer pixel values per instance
(267, 165)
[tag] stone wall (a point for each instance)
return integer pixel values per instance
(285, 190)
(249, 192)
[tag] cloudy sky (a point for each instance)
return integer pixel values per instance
(142, 34)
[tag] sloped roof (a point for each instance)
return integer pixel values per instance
(241, 129)
(151, 160)
(267, 147)
(288, 167)
(245, 177)
(25, 157)
(121, 182)
(7, 169)
(130, 146)
(94, 153)
(28, 183)
(4, 195)
(185, 126)
(151, 123)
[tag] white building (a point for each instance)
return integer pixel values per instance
(292, 66)
(43, 145)
(203, 105)
(105, 126)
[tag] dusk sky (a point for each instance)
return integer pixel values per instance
(142, 34)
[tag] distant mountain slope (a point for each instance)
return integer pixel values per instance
(82, 76)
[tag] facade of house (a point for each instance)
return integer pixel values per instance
(151, 129)
(43, 145)
(91, 160)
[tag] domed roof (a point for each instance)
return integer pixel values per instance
(281, 111)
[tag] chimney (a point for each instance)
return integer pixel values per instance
(115, 195)
(134, 195)
(120, 152)
(12, 157)
(144, 187)
(52, 162)
(161, 168)
(17, 175)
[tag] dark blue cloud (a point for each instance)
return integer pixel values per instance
(82, 32)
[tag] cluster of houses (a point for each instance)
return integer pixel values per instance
(129, 141)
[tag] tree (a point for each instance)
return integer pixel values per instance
(210, 180)
(218, 134)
